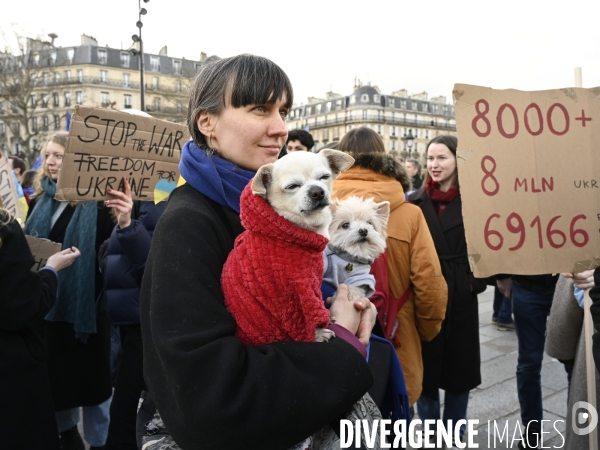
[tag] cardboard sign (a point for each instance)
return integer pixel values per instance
(529, 172)
(105, 146)
(42, 249)
(8, 190)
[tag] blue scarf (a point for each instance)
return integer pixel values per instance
(75, 301)
(218, 179)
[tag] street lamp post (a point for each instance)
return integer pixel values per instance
(409, 140)
(140, 53)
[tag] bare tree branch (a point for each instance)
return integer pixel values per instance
(21, 95)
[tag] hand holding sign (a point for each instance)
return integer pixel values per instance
(583, 280)
(64, 259)
(123, 204)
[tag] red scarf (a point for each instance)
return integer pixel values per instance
(439, 198)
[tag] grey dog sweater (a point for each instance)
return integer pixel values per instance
(340, 267)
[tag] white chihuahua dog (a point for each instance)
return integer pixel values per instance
(358, 237)
(298, 186)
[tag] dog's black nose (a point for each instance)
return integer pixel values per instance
(316, 193)
(363, 232)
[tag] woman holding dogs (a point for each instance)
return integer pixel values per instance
(212, 391)
(413, 268)
(452, 360)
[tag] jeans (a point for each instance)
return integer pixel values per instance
(455, 407)
(531, 308)
(502, 307)
(95, 422)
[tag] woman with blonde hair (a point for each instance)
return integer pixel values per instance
(26, 411)
(75, 330)
(414, 274)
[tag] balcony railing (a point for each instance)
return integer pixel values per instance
(380, 119)
(165, 110)
(89, 80)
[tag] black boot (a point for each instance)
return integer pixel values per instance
(71, 439)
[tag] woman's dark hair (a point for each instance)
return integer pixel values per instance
(28, 178)
(237, 81)
(361, 140)
(449, 141)
(18, 163)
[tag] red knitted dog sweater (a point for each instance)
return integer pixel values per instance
(272, 277)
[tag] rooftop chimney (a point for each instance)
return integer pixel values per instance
(88, 40)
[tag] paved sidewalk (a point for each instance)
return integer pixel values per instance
(496, 397)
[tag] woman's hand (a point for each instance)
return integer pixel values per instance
(583, 280)
(123, 204)
(64, 259)
(368, 317)
(357, 317)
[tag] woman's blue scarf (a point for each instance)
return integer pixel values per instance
(218, 179)
(75, 302)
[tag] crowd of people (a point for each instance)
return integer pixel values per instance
(133, 306)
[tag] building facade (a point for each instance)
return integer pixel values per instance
(395, 117)
(91, 75)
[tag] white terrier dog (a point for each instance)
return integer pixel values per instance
(358, 237)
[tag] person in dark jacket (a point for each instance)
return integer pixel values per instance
(27, 418)
(413, 168)
(211, 391)
(76, 330)
(532, 300)
(124, 266)
(451, 360)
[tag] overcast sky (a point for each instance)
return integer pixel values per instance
(324, 44)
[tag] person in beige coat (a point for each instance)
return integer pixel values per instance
(413, 264)
(565, 341)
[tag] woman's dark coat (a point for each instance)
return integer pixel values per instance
(27, 419)
(79, 372)
(452, 360)
(125, 263)
(211, 391)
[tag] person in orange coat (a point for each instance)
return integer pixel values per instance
(413, 265)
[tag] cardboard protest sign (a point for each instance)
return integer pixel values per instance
(8, 190)
(529, 171)
(105, 145)
(42, 249)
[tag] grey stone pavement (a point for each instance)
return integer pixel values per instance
(496, 398)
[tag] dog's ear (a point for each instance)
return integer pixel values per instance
(383, 212)
(262, 180)
(337, 161)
